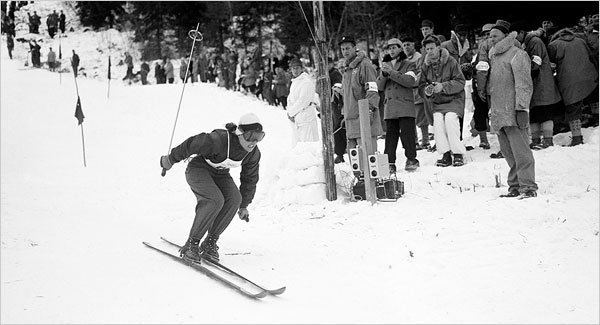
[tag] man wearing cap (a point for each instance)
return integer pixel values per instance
(301, 105)
(428, 28)
(442, 84)
(218, 198)
(397, 78)
(509, 90)
(359, 81)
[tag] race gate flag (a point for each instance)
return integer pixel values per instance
(79, 112)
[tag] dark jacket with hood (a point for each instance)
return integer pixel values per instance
(444, 70)
(576, 74)
(398, 89)
(213, 146)
(545, 91)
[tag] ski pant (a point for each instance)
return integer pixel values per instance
(218, 200)
(480, 113)
(339, 141)
(514, 144)
(402, 128)
(447, 133)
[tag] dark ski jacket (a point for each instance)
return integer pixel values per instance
(213, 146)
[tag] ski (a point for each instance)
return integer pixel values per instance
(211, 274)
(274, 292)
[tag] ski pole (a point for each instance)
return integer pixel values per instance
(196, 36)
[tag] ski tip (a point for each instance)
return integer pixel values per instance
(261, 294)
(277, 291)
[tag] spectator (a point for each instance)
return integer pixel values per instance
(51, 60)
(249, 80)
(302, 103)
(545, 95)
(31, 22)
(10, 44)
(35, 54)
(144, 71)
(62, 22)
(281, 86)
(424, 117)
(359, 81)
(201, 68)
(267, 86)
(51, 23)
(479, 83)
(169, 74)
(159, 73)
(458, 45)
(337, 106)
(510, 88)
(576, 75)
(75, 63)
(427, 28)
(231, 67)
(37, 21)
(443, 84)
(129, 63)
(397, 78)
(183, 69)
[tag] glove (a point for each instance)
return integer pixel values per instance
(437, 88)
(244, 214)
(165, 162)
(522, 119)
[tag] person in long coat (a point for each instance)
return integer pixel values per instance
(359, 81)
(301, 105)
(509, 91)
(397, 78)
(281, 86)
(442, 85)
(545, 97)
(576, 75)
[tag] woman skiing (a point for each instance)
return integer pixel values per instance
(218, 198)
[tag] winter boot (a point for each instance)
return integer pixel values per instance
(527, 194)
(190, 251)
(445, 161)
(484, 145)
(458, 160)
(547, 142)
(498, 155)
(209, 248)
(512, 193)
(536, 144)
(576, 140)
(411, 165)
(392, 168)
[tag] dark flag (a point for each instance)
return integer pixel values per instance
(109, 67)
(79, 111)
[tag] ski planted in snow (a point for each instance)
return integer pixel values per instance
(230, 271)
(261, 294)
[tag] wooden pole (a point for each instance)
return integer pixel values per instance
(324, 90)
(367, 145)
(83, 143)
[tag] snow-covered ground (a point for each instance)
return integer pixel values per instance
(449, 251)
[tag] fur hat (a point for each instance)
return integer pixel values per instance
(393, 41)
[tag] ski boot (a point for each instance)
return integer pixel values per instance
(190, 251)
(209, 248)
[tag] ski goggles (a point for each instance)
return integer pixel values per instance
(253, 136)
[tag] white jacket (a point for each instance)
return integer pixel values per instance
(302, 94)
(302, 103)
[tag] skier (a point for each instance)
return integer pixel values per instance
(218, 198)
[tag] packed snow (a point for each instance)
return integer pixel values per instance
(448, 251)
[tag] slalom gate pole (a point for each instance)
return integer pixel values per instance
(196, 36)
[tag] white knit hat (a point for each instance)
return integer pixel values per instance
(249, 122)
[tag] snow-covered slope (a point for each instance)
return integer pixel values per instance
(449, 251)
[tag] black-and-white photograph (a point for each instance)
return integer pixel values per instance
(299, 162)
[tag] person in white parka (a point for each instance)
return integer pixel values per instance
(302, 105)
